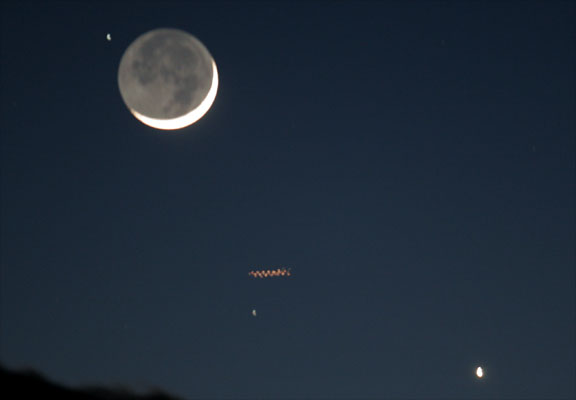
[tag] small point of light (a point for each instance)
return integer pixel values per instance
(479, 372)
(108, 37)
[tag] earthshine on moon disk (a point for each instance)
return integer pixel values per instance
(167, 79)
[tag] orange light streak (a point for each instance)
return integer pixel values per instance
(268, 273)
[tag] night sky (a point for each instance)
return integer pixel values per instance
(413, 163)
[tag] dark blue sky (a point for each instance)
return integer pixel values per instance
(413, 163)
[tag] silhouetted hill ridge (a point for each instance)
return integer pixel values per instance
(30, 385)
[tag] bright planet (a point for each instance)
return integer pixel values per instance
(479, 372)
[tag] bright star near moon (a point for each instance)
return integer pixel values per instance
(479, 372)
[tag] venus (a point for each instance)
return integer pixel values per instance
(167, 79)
(479, 372)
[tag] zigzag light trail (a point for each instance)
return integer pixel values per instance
(269, 273)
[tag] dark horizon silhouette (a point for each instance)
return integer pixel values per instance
(28, 383)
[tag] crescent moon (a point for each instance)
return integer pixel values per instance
(187, 119)
(168, 79)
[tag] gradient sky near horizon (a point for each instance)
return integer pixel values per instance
(411, 162)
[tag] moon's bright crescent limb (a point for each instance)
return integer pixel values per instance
(186, 119)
